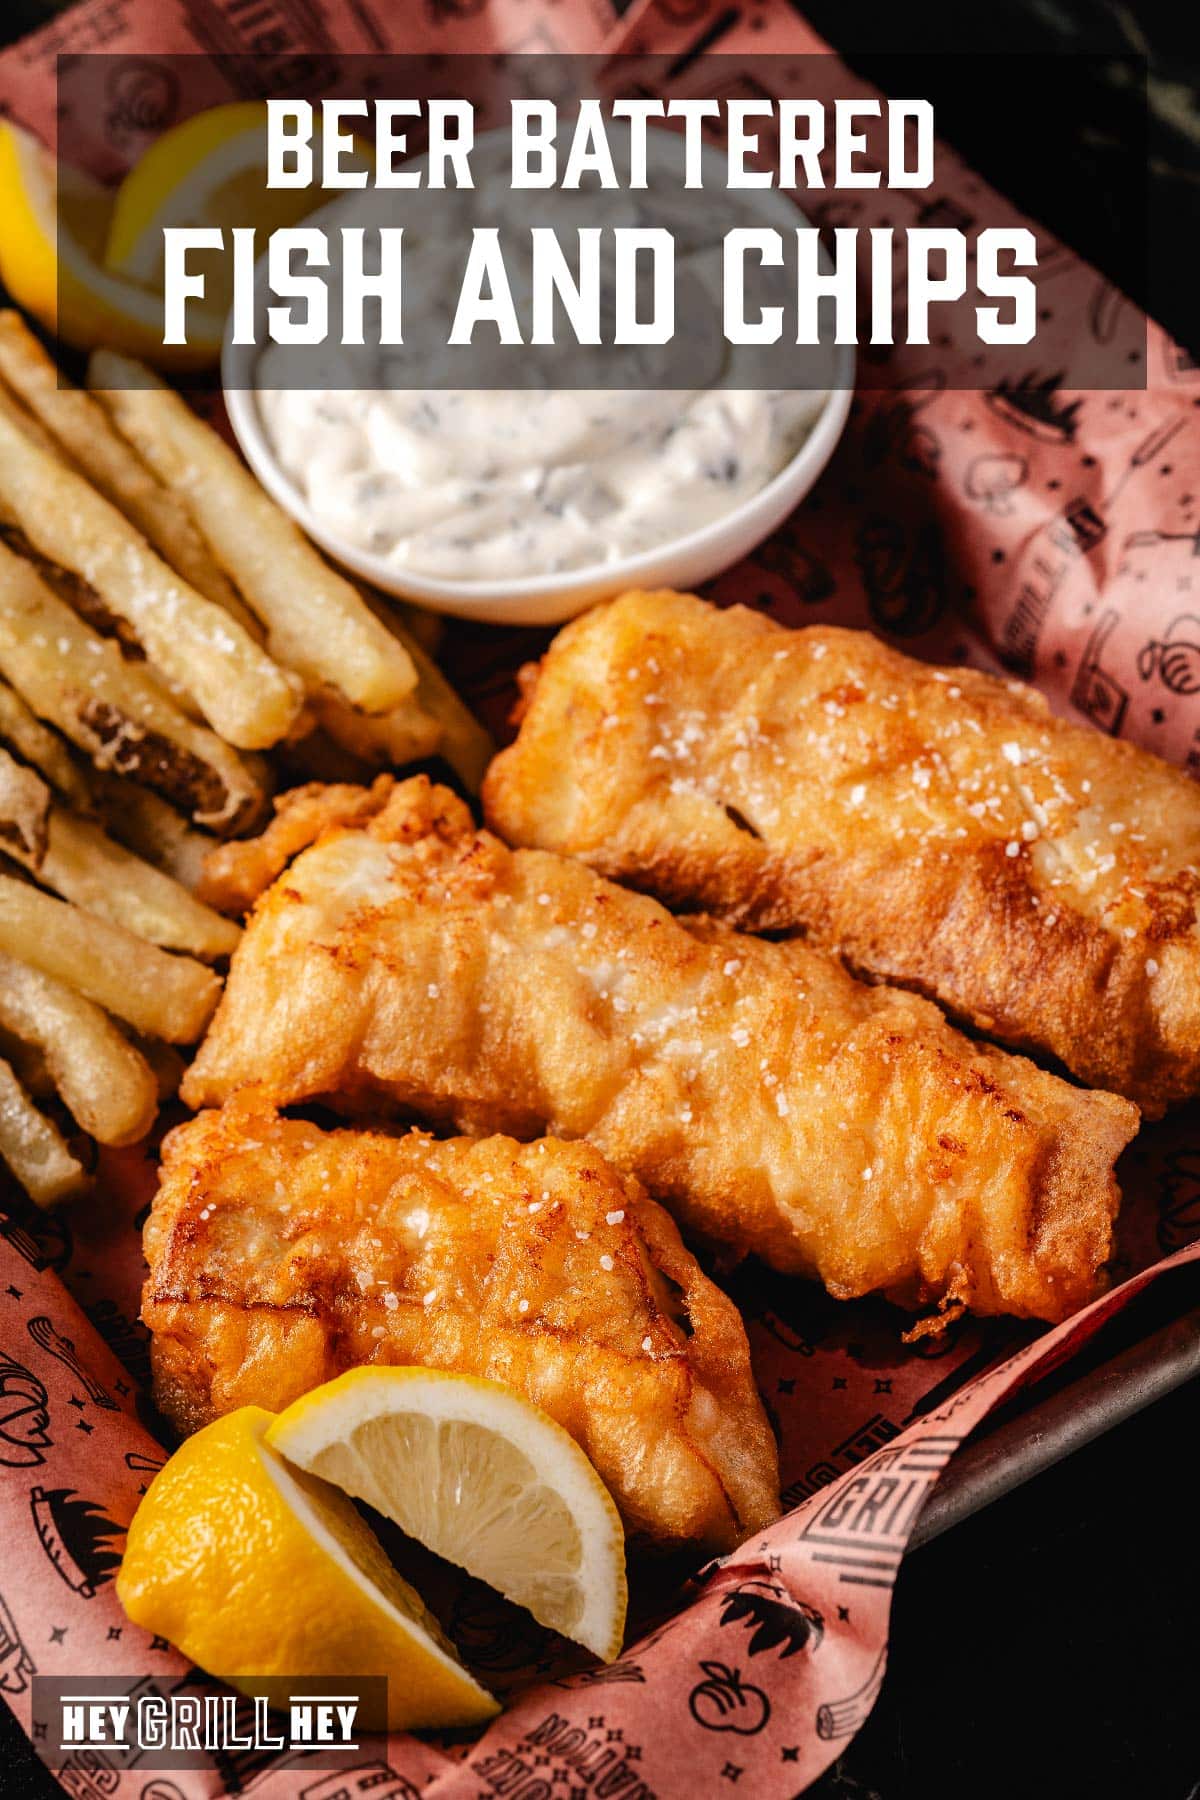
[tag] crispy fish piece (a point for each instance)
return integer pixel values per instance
(235, 875)
(939, 828)
(281, 1254)
(771, 1101)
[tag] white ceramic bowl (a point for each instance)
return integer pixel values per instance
(548, 599)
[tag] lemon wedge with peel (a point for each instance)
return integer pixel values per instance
(209, 170)
(254, 1570)
(482, 1477)
(51, 262)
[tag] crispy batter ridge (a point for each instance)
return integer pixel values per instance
(281, 1254)
(771, 1101)
(939, 828)
(236, 874)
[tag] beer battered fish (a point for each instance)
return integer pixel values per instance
(281, 1254)
(773, 1103)
(939, 828)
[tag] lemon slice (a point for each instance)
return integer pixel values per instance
(480, 1476)
(209, 170)
(254, 1570)
(51, 250)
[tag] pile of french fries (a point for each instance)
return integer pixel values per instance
(170, 645)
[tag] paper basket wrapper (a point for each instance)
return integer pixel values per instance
(1050, 532)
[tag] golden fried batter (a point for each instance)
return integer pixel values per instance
(235, 874)
(769, 1100)
(281, 1255)
(940, 828)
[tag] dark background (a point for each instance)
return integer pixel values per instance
(1116, 84)
(1049, 1648)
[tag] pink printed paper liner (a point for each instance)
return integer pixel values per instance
(1050, 532)
(766, 1671)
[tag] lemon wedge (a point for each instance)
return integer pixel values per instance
(254, 1569)
(480, 1476)
(51, 262)
(209, 170)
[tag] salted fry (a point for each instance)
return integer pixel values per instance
(75, 422)
(41, 748)
(81, 863)
(164, 996)
(34, 1147)
(316, 621)
(197, 645)
(24, 811)
(111, 708)
(153, 830)
(102, 1080)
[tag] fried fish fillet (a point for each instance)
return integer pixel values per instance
(773, 1103)
(939, 828)
(281, 1254)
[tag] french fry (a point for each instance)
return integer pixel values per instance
(76, 423)
(41, 748)
(317, 758)
(161, 995)
(428, 628)
(434, 721)
(113, 709)
(460, 740)
(198, 646)
(81, 863)
(381, 740)
(316, 621)
(83, 599)
(11, 408)
(28, 1065)
(104, 1082)
(24, 811)
(34, 1148)
(166, 1065)
(463, 742)
(153, 830)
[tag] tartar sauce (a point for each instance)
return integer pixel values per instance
(477, 484)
